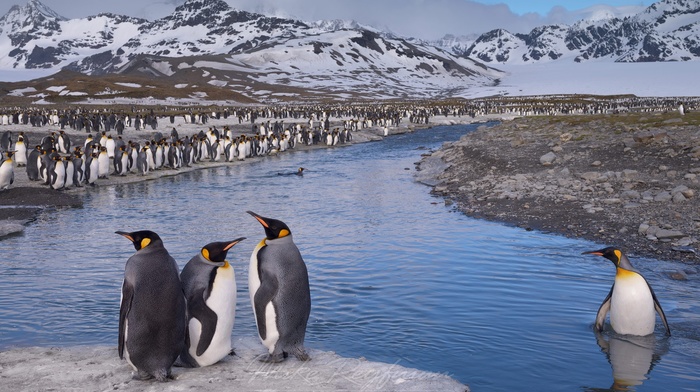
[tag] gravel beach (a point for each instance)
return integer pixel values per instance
(627, 180)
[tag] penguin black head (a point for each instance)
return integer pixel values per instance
(140, 239)
(613, 254)
(273, 228)
(216, 251)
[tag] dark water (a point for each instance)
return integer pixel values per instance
(396, 276)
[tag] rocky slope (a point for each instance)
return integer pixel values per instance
(668, 30)
(626, 180)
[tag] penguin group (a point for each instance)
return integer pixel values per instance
(58, 163)
(186, 319)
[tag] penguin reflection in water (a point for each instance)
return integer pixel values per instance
(279, 292)
(209, 283)
(152, 312)
(632, 358)
(631, 301)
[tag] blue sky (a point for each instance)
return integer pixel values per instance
(543, 7)
(428, 19)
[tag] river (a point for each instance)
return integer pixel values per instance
(396, 275)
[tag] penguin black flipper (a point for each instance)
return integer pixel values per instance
(603, 310)
(660, 311)
(267, 290)
(127, 296)
(207, 318)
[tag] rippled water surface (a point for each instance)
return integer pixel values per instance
(396, 276)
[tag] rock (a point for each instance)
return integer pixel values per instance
(631, 194)
(548, 158)
(663, 196)
(596, 163)
(677, 275)
(642, 230)
(678, 198)
(665, 234)
(612, 201)
(630, 174)
(10, 227)
(590, 176)
(565, 137)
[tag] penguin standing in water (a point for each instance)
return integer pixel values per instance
(209, 283)
(152, 312)
(279, 292)
(631, 301)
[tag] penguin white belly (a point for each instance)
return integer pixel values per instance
(253, 277)
(223, 302)
(632, 306)
(273, 334)
(126, 345)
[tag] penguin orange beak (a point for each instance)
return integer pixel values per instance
(259, 218)
(234, 242)
(125, 234)
(593, 252)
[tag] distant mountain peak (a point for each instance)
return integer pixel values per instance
(33, 8)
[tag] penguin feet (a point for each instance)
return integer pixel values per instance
(232, 353)
(142, 376)
(302, 355)
(274, 358)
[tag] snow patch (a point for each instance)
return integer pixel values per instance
(134, 85)
(56, 89)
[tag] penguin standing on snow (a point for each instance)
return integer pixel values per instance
(209, 283)
(631, 301)
(279, 292)
(152, 312)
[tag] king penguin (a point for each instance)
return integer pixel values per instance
(7, 172)
(631, 301)
(152, 312)
(279, 292)
(209, 283)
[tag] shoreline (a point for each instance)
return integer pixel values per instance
(20, 204)
(608, 179)
(94, 368)
(99, 367)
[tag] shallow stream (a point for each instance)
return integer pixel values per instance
(396, 276)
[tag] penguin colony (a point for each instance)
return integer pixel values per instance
(59, 164)
(194, 329)
(186, 319)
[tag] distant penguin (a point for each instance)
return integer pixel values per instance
(142, 161)
(7, 172)
(63, 142)
(152, 312)
(78, 170)
(6, 141)
(103, 163)
(279, 292)
(121, 161)
(92, 169)
(209, 283)
(70, 171)
(111, 145)
(33, 164)
(20, 151)
(57, 173)
(631, 301)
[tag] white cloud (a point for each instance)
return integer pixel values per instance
(428, 19)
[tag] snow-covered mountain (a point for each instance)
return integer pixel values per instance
(228, 48)
(668, 30)
(207, 48)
